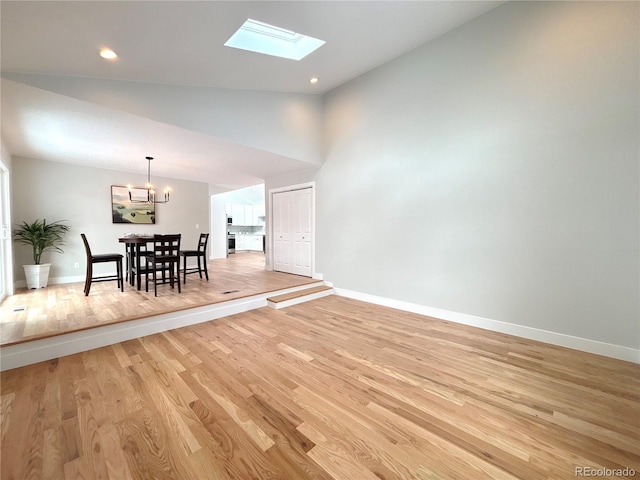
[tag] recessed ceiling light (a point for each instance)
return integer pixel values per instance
(314, 80)
(260, 37)
(108, 54)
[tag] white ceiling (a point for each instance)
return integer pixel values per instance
(181, 43)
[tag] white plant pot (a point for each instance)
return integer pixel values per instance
(37, 275)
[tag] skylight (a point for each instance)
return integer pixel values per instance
(262, 38)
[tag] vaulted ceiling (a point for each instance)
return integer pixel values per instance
(62, 102)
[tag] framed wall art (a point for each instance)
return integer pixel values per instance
(123, 210)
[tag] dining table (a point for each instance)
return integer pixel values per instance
(134, 251)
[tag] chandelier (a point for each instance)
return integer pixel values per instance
(151, 192)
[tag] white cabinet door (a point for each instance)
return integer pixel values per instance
(243, 242)
(258, 215)
(293, 232)
(256, 243)
(281, 232)
(237, 215)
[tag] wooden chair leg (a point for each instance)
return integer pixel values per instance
(155, 280)
(206, 273)
(126, 251)
(178, 275)
(120, 277)
(184, 268)
(87, 282)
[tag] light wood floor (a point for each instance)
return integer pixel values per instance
(63, 308)
(331, 389)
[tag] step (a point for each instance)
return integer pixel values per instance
(299, 296)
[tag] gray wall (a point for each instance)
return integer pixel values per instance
(494, 172)
(82, 195)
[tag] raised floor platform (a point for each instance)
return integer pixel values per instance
(37, 325)
(38, 350)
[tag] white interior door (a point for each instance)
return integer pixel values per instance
(293, 231)
(282, 232)
(301, 223)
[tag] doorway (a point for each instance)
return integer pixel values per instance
(292, 230)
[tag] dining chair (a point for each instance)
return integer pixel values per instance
(101, 258)
(200, 254)
(138, 267)
(163, 259)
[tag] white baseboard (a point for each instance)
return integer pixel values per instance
(554, 338)
(57, 280)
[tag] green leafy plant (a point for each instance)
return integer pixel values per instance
(41, 236)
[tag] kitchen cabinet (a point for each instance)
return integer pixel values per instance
(251, 243)
(246, 215)
(238, 215)
(242, 242)
(256, 243)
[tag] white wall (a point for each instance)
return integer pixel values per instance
(282, 123)
(253, 195)
(218, 237)
(494, 172)
(82, 196)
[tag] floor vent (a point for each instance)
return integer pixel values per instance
(21, 308)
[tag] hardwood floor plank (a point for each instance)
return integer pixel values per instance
(116, 462)
(366, 446)
(70, 439)
(121, 355)
(237, 459)
(238, 415)
(15, 416)
(93, 451)
(144, 441)
(52, 467)
(339, 464)
(79, 469)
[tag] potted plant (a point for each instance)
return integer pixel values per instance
(41, 236)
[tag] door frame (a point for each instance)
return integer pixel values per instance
(6, 254)
(269, 224)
